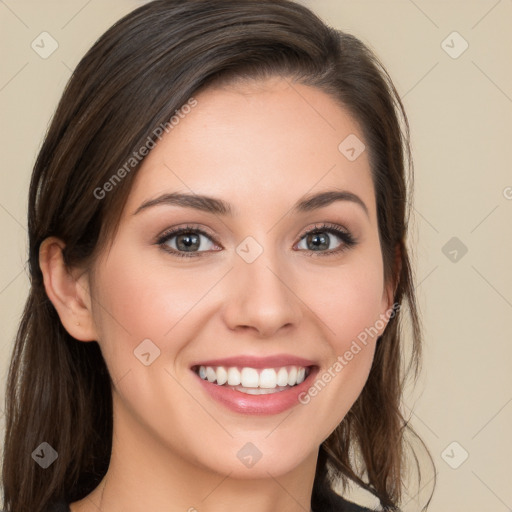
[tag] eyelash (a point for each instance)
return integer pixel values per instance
(347, 240)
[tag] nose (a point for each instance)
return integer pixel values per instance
(261, 297)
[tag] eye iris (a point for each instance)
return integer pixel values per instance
(187, 242)
(319, 240)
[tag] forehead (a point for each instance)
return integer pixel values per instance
(255, 144)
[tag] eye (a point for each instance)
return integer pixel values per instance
(190, 241)
(326, 239)
(187, 241)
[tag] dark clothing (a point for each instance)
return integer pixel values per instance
(59, 507)
(326, 500)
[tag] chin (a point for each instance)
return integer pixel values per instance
(255, 460)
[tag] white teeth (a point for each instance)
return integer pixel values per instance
(249, 378)
(233, 377)
(211, 375)
(276, 379)
(292, 376)
(282, 377)
(258, 391)
(222, 375)
(268, 378)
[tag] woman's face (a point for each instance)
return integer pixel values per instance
(262, 289)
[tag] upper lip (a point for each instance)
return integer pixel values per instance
(275, 361)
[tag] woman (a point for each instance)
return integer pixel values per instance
(217, 224)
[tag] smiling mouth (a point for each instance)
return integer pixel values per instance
(254, 381)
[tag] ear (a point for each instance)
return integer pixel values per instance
(68, 290)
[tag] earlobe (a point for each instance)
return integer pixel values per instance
(69, 294)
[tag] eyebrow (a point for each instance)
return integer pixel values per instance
(219, 207)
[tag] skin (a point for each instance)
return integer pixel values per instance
(260, 146)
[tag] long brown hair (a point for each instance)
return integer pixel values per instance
(135, 77)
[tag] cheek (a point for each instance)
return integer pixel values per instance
(135, 300)
(349, 301)
(350, 308)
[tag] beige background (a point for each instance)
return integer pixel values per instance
(460, 111)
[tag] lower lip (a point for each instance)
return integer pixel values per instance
(273, 403)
